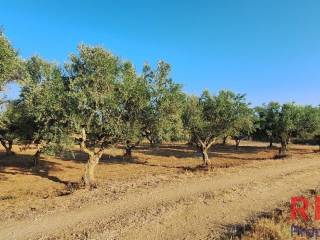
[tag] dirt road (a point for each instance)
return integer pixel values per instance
(197, 208)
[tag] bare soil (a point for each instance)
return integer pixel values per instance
(160, 194)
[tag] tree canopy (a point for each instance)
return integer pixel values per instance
(134, 99)
(11, 67)
(43, 106)
(210, 117)
(162, 115)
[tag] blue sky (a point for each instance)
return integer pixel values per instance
(269, 49)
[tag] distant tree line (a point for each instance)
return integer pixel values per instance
(97, 100)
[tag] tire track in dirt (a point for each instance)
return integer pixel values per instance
(195, 209)
(207, 220)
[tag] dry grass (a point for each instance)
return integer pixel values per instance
(276, 225)
(269, 229)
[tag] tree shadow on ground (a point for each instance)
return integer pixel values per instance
(300, 151)
(23, 164)
(165, 150)
(233, 157)
(196, 168)
(221, 151)
(175, 150)
(241, 150)
(80, 157)
(120, 159)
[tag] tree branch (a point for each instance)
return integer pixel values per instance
(83, 146)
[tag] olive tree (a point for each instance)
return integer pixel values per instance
(95, 111)
(162, 115)
(282, 122)
(41, 107)
(210, 117)
(267, 120)
(243, 126)
(133, 100)
(287, 125)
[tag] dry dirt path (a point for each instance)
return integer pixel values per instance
(198, 208)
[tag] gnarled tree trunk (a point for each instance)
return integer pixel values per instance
(7, 144)
(88, 177)
(283, 148)
(205, 157)
(204, 146)
(129, 147)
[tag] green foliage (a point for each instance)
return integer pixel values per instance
(243, 119)
(288, 121)
(308, 123)
(268, 118)
(10, 64)
(133, 100)
(42, 104)
(162, 115)
(94, 78)
(210, 117)
(282, 122)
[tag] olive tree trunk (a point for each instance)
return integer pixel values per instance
(283, 148)
(7, 146)
(204, 146)
(205, 157)
(237, 143)
(129, 147)
(37, 155)
(88, 177)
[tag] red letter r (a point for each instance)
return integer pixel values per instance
(301, 210)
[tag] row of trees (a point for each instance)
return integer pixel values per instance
(280, 123)
(97, 100)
